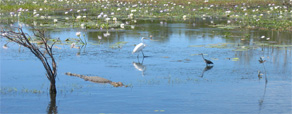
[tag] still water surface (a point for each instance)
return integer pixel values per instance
(172, 78)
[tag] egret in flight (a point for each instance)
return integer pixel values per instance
(140, 47)
(208, 62)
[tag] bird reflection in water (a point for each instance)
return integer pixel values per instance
(139, 66)
(206, 69)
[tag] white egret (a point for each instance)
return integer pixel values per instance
(140, 47)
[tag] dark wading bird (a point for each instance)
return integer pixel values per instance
(208, 62)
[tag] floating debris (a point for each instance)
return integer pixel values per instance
(165, 57)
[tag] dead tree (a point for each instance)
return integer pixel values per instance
(23, 39)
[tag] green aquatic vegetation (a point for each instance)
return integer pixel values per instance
(150, 81)
(8, 90)
(70, 41)
(226, 26)
(159, 110)
(92, 14)
(118, 44)
(282, 46)
(245, 47)
(241, 49)
(196, 45)
(221, 45)
(235, 59)
(196, 54)
(272, 44)
(191, 79)
(233, 46)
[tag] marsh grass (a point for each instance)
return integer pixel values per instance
(14, 90)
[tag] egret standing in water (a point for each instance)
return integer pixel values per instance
(208, 62)
(140, 47)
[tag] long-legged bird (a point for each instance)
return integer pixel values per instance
(140, 47)
(208, 62)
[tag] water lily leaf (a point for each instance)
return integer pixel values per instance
(118, 44)
(240, 49)
(223, 45)
(282, 45)
(227, 26)
(196, 45)
(91, 43)
(235, 59)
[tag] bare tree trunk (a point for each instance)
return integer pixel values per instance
(53, 89)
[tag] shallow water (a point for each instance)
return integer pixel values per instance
(172, 78)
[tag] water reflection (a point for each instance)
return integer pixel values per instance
(80, 48)
(139, 66)
(52, 107)
(261, 101)
(206, 69)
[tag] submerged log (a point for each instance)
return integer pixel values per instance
(96, 79)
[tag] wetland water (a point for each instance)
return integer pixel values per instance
(172, 78)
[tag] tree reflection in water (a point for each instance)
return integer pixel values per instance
(52, 107)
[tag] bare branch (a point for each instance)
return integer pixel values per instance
(22, 38)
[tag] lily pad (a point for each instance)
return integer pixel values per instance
(235, 59)
(227, 26)
(118, 44)
(196, 45)
(282, 46)
(240, 49)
